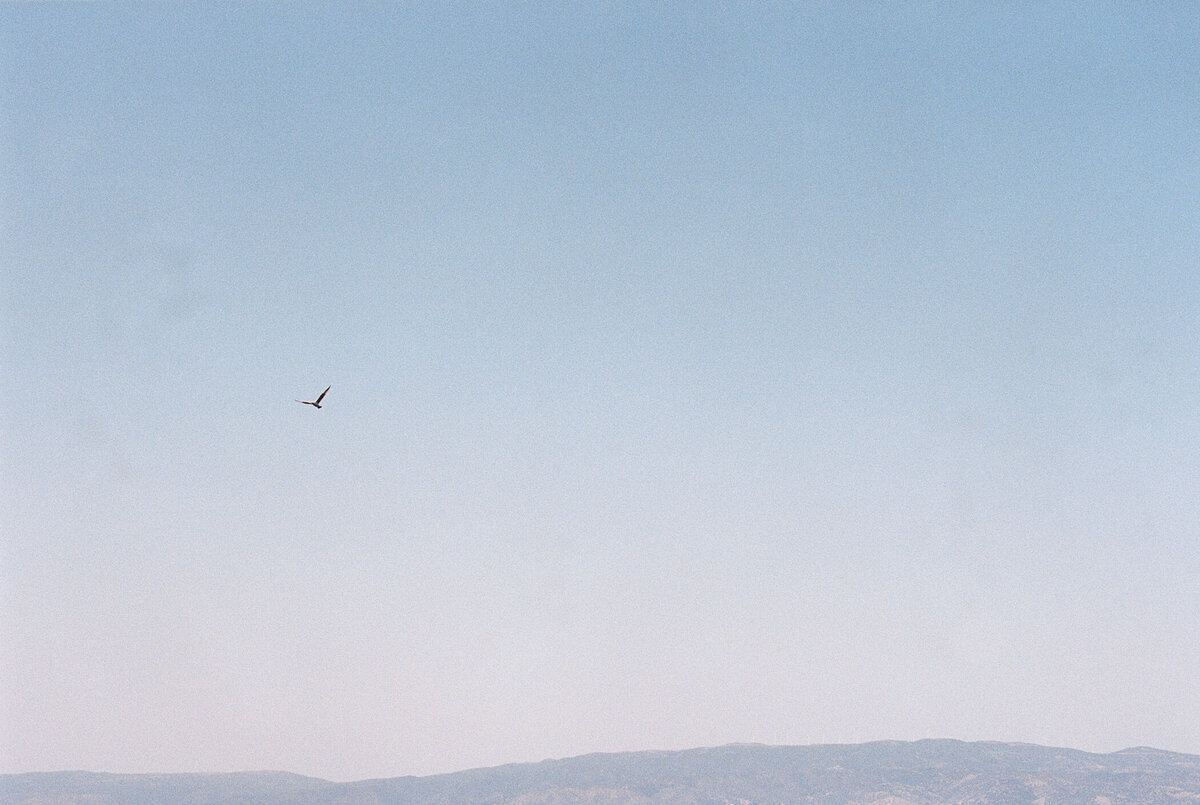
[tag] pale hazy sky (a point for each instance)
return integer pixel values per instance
(701, 373)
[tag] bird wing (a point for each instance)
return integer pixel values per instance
(323, 393)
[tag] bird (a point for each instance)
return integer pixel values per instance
(316, 404)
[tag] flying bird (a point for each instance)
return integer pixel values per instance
(317, 403)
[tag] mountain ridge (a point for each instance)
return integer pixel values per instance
(925, 772)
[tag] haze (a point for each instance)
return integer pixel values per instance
(700, 373)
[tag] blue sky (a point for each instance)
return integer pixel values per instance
(782, 373)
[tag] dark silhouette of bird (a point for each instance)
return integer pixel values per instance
(317, 402)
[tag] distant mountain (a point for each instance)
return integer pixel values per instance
(881, 773)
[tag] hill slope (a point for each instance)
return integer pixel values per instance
(884, 773)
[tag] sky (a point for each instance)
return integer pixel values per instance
(701, 373)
